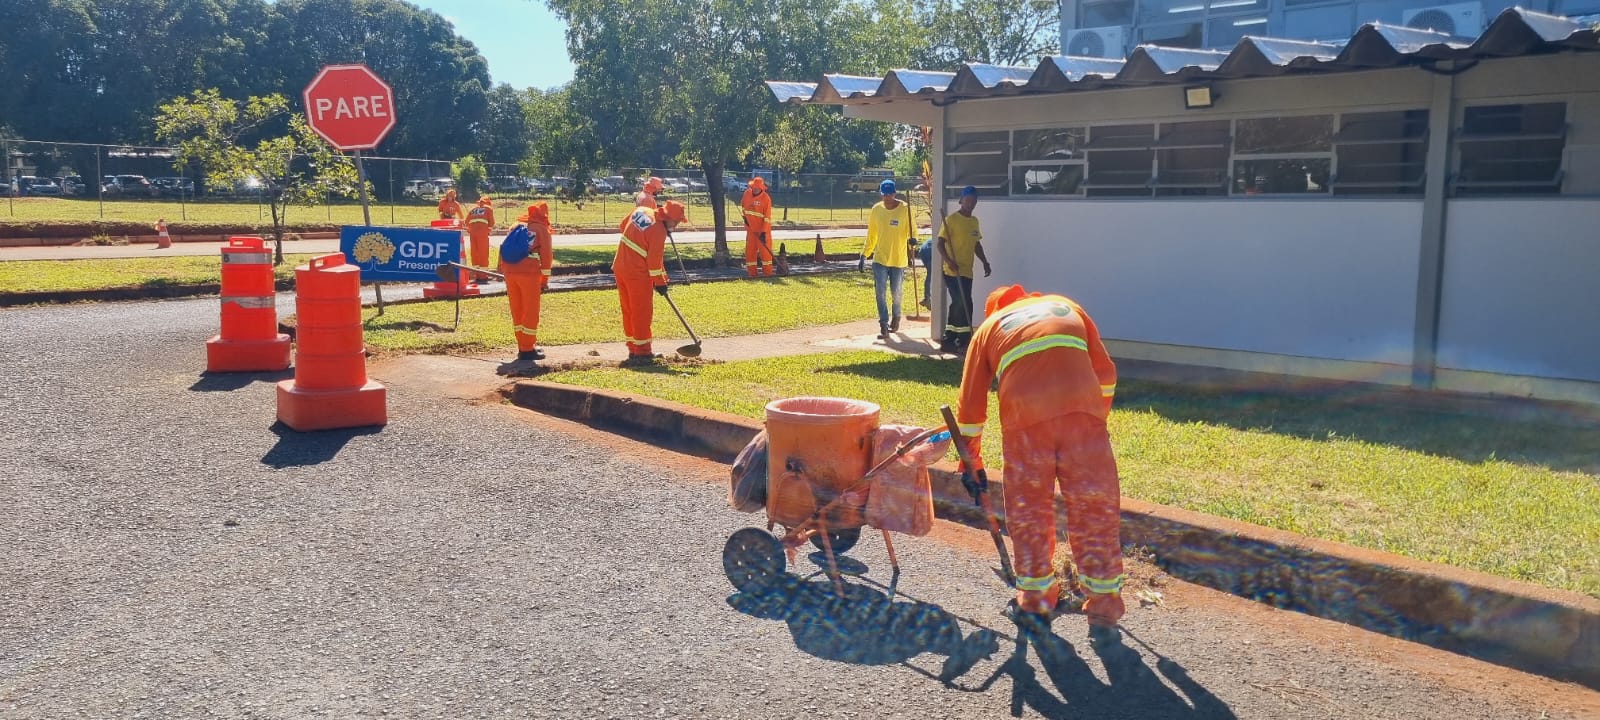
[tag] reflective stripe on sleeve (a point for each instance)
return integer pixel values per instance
(1108, 390)
(1038, 345)
(654, 273)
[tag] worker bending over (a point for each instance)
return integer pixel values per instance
(647, 194)
(526, 256)
(757, 204)
(480, 221)
(1056, 385)
(638, 266)
(449, 209)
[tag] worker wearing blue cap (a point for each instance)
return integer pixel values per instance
(890, 231)
(960, 242)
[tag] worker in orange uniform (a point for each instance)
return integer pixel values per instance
(449, 209)
(525, 260)
(647, 194)
(757, 204)
(480, 221)
(639, 269)
(1056, 385)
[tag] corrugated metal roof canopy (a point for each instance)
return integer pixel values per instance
(1515, 32)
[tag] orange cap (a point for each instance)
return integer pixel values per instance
(484, 200)
(450, 193)
(758, 182)
(1002, 297)
(675, 211)
(538, 214)
(653, 184)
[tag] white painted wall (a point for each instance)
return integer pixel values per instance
(1521, 288)
(1307, 278)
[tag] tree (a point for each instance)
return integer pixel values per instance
(688, 73)
(233, 143)
(997, 32)
(468, 172)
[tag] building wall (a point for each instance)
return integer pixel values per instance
(1289, 277)
(1520, 294)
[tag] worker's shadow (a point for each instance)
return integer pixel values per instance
(1132, 689)
(865, 627)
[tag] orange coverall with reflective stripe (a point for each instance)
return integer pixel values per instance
(449, 208)
(757, 206)
(639, 267)
(1056, 386)
(480, 220)
(525, 284)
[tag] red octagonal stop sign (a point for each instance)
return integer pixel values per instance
(350, 107)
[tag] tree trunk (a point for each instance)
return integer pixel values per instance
(719, 212)
(277, 230)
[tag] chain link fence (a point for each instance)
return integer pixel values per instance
(125, 181)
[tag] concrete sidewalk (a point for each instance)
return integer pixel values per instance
(331, 245)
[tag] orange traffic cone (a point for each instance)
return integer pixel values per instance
(249, 341)
(163, 240)
(819, 255)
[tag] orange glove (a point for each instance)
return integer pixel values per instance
(973, 447)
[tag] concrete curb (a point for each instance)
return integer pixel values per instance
(1515, 624)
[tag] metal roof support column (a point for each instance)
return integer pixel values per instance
(1435, 206)
(938, 302)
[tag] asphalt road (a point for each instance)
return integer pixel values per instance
(166, 551)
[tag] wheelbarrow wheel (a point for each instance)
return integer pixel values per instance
(842, 539)
(753, 560)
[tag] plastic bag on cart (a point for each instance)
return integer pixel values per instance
(900, 496)
(747, 489)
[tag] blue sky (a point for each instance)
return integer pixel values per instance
(525, 43)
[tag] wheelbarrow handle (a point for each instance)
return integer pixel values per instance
(980, 494)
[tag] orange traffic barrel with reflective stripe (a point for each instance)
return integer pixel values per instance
(330, 388)
(249, 341)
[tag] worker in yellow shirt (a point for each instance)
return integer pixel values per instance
(960, 243)
(889, 229)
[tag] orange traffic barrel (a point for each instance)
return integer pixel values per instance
(249, 341)
(463, 286)
(818, 447)
(330, 388)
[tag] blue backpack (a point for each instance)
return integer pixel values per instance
(517, 245)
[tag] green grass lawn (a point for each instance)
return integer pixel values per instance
(602, 254)
(1519, 500)
(604, 212)
(587, 316)
(67, 275)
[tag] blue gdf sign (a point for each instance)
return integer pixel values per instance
(399, 254)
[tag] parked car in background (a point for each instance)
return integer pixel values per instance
(732, 183)
(869, 179)
(173, 186)
(34, 185)
(601, 187)
(696, 184)
(418, 188)
(443, 185)
(73, 185)
(539, 186)
(131, 186)
(620, 184)
(677, 185)
(504, 184)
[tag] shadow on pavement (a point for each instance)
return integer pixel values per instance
(227, 382)
(298, 449)
(866, 627)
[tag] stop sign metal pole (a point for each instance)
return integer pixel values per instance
(366, 218)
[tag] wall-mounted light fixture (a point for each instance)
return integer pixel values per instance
(1198, 96)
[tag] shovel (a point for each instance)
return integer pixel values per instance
(448, 273)
(978, 486)
(691, 350)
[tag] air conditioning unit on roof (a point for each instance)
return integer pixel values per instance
(1106, 42)
(1458, 19)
